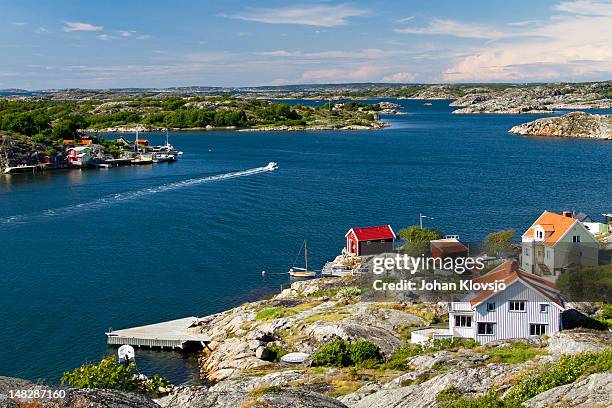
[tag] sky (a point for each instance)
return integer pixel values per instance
(155, 43)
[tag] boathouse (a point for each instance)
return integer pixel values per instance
(370, 240)
(448, 247)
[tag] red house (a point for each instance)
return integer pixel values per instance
(370, 240)
(448, 248)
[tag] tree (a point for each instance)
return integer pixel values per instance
(500, 242)
(417, 239)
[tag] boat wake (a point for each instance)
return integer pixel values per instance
(131, 195)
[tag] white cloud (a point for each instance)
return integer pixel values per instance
(18, 23)
(41, 30)
(75, 26)
(565, 47)
(400, 77)
(405, 19)
(103, 37)
(363, 73)
(523, 23)
(125, 33)
(143, 37)
(370, 53)
(439, 26)
(314, 15)
(586, 7)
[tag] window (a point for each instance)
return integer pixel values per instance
(540, 234)
(526, 251)
(463, 321)
(490, 307)
(537, 329)
(576, 238)
(547, 254)
(516, 305)
(485, 328)
(543, 307)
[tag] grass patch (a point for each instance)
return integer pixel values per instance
(513, 353)
(324, 293)
(272, 313)
(263, 390)
(326, 317)
(305, 306)
(276, 352)
(568, 369)
(400, 357)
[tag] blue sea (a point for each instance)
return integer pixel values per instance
(84, 251)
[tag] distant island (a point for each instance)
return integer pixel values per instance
(41, 125)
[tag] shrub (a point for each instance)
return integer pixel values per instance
(351, 291)
(341, 353)
(365, 352)
(109, 374)
(451, 398)
(334, 354)
(276, 352)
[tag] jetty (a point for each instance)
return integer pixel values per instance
(24, 168)
(180, 333)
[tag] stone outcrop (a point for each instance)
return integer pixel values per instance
(534, 99)
(574, 124)
(593, 392)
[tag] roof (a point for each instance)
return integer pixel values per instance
(508, 273)
(449, 245)
(582, 217)
(372, 233)
(554, 224)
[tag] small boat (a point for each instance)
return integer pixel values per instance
(297, 272)
(272, 166)
(427, 104)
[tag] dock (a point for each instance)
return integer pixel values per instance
(180, 333)
(33, 168)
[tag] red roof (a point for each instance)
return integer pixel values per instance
(373, 233)
(508, 272)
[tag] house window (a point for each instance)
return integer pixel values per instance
(526, 251)
(537, 329)
(490, 307)
(517, 305)
(463, 321)
(543, 307)
(540, 234)
(485, 328)
(547, 254)
(576, 238)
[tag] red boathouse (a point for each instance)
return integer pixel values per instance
(370, 240)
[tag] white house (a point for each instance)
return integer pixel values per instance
(555, 243)
(528, 306)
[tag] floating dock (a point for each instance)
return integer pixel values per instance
(180, 333)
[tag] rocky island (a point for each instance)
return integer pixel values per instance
(572, 125)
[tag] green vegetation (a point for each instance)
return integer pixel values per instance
(349, 292)
(109, 374)
(594, 283)
(512, 353)
(341, 353)
(500, 242)
(261, 391)
(276, 352)
(416, 239)
(271, 313)
(400, 357)
(48, 120)
(568, 369)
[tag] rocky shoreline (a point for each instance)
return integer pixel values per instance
(571, 125)
(241, 362)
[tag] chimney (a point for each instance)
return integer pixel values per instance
(567, 214)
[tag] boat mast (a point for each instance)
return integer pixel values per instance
(166, 136)
(306, 255)
(136, 143)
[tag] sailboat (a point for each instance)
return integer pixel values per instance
(297, 272)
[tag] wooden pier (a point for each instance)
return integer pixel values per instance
(180, 333)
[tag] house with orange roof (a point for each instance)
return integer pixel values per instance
(528, 306)
(555, 243)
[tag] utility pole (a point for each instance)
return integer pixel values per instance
(421, 216)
